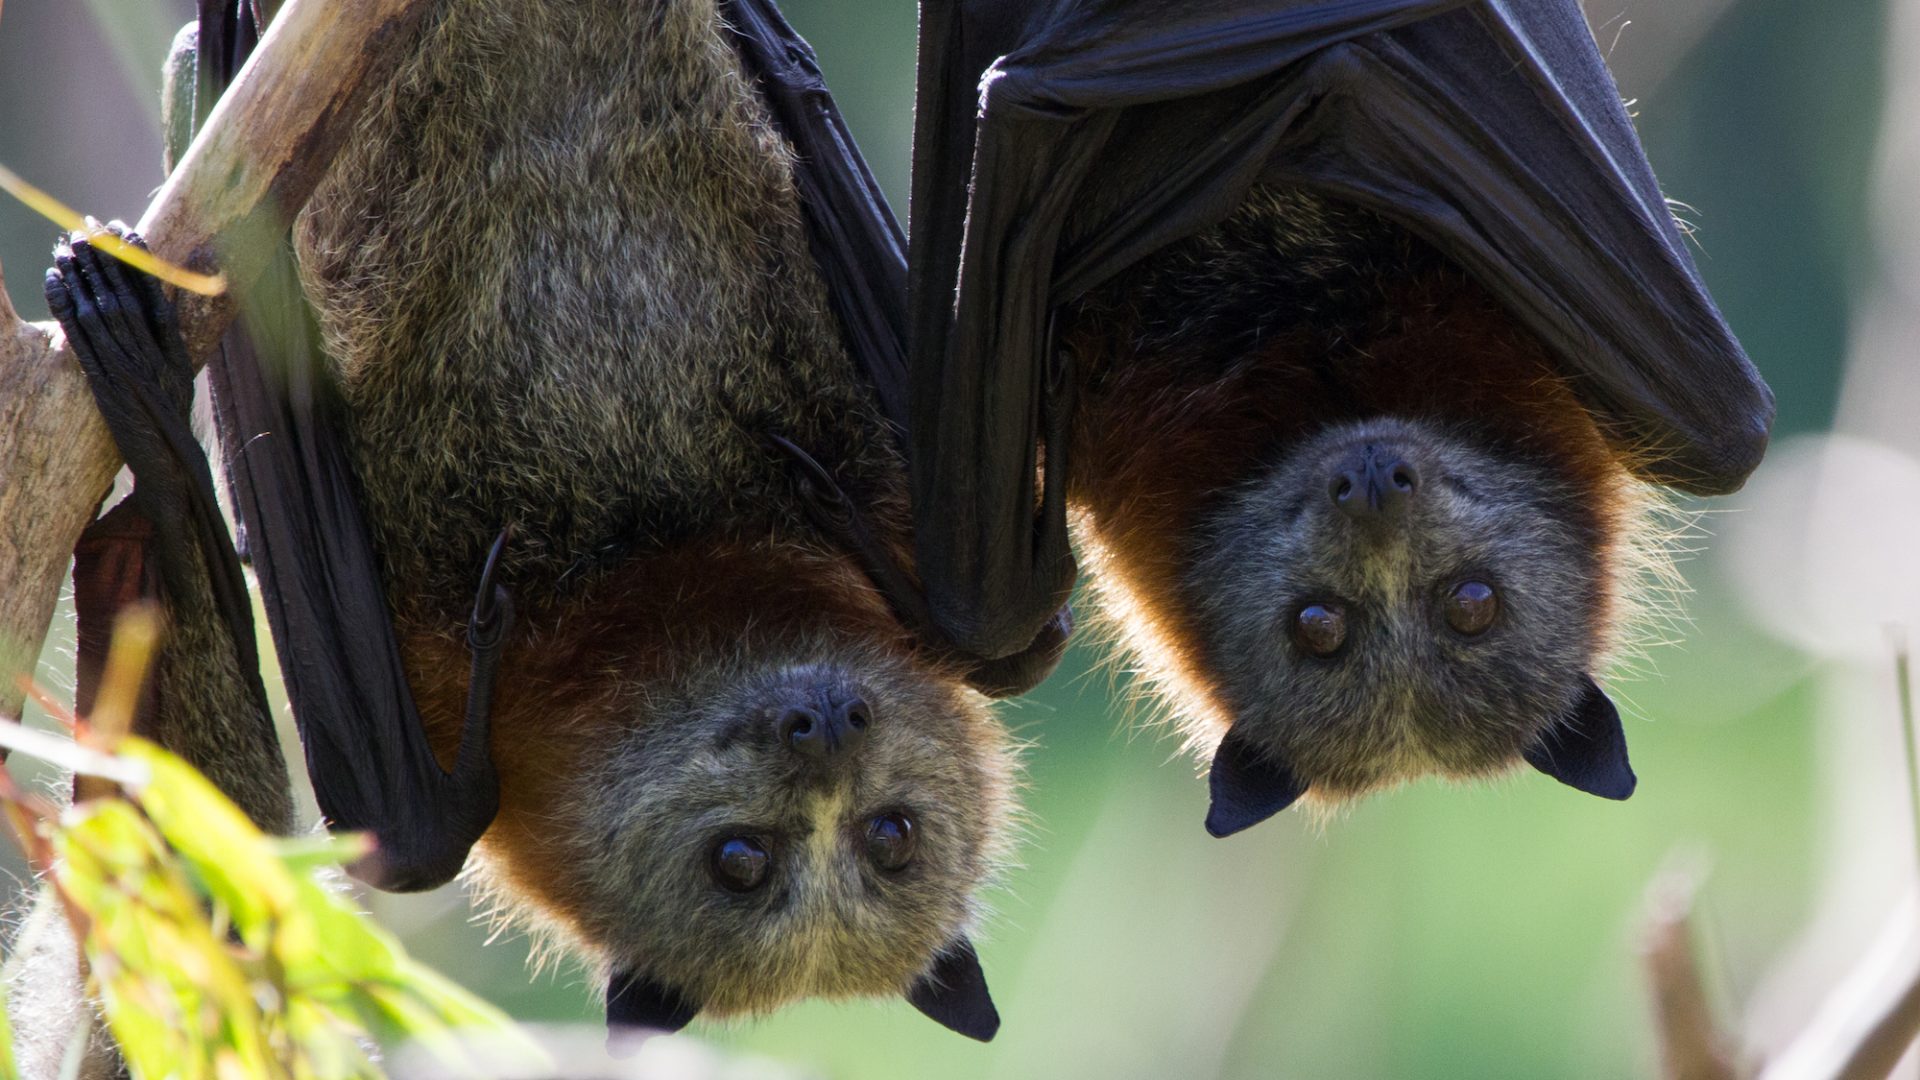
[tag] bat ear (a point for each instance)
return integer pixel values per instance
(954, 994)
(636, 1002)
(1012, 676)
(1587, 749)
(1248, 786)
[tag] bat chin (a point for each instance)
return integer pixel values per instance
(1584, 747)
(1248, 788)
(1255, 776)
(1339, 755)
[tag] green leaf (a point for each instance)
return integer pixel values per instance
(8, 1070)
(309, 977)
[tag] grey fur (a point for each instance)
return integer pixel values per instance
(562, 268)
(209, 717)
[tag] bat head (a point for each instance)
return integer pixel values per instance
(1391, 599)
(760, 801)
(812, 825)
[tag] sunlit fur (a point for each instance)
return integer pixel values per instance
(563, 271)
(1222, 380)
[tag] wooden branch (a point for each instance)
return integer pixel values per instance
(256, 162)
(1691, 1044)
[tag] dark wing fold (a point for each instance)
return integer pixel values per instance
(851, 231)
(284, 437)
(1057, 145)
(1497, 133)
(861, 253)
(203, 699)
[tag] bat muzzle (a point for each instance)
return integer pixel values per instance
(822, 724)
(1376, 485)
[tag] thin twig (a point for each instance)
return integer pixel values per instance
(1903, 686)
(136, 638)
(1692, 1046)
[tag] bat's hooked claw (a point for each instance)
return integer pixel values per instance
(836, 515)
(492, 606)
(1011, 676)
(468, 797)
(486, 633)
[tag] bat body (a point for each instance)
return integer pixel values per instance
(1353, 332)
(576, 506)
(596, 362)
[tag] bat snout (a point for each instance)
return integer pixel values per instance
(1378, 483)
(821, 723)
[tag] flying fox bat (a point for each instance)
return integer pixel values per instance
(1353, 335)
(579, 510)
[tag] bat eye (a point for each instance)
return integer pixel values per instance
(1472, 607)
(1320, 629)
(890, 841)
(740, 864)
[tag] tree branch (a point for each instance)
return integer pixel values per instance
(1691, 1044)
(260, 156)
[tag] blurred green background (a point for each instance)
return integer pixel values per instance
(1488, 931)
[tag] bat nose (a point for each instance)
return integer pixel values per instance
(1378, 484)
(821, 725)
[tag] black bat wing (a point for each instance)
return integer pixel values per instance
(851, 232)
(1058, 144)
(861, 253)
(283, 433)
